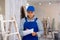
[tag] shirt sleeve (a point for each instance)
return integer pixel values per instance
(21, 26)
(40, 27)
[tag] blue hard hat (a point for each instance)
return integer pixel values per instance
(31, 8)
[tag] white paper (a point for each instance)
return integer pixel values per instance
(26, 32)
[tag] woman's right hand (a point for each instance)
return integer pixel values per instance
(34, 34)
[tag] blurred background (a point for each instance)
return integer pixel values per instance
(48, 11)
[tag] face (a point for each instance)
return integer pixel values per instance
(30, 14)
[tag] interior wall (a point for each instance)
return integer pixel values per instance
(52, 11)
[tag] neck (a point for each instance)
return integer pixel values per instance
(30, 18)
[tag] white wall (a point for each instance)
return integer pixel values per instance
(52, 11)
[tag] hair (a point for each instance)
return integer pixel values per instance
(22, 12)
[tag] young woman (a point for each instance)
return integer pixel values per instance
(30, 22)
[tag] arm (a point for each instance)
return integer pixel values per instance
(40, 26)
(24, 32)
(21, 27)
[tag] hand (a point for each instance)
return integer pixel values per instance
(34, 34)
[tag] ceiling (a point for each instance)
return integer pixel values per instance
(43, 1)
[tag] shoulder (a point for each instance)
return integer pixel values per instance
(38, 20)
(22, 20)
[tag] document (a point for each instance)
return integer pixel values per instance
(28, 31)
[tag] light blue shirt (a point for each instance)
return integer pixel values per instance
(40, 26)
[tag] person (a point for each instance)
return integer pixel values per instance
(29, 22)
